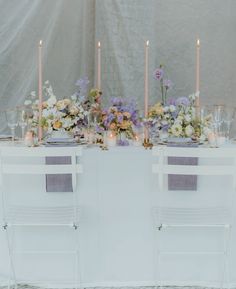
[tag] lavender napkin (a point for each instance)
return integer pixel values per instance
(61, 182)
(182, 182)
(58, 183)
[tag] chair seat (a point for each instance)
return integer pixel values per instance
(41, 216)
(192, 217)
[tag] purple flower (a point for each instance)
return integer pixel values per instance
(82, 84)
(120, 118)
(167, 83)
(183, 101)
(110, 117)
(117, 101)
(158, 74)
(171, 101)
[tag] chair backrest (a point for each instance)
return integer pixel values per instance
(20, 161)
(162, 167)
(31, 161)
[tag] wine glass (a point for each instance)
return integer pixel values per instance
(22, 120)
(229, 117)
(12, 121)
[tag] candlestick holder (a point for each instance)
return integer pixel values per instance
(147, 144)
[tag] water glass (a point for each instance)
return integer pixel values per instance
(12, 121)
(22, 120)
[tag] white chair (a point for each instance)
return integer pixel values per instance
(22, 161)
(197, 215)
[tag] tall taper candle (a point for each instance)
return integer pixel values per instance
(146, 86)
(197, 100)
(40, 90)
(99, 65)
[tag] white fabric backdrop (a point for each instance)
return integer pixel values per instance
(67, 30)
(70, 30)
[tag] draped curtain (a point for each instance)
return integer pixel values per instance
(70, 29)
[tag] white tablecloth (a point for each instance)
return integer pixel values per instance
(117, 237)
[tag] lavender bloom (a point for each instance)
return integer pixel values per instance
(82, 84)
(167, 83)
(158, 74)
(184, 101)
(117, 101)
(171, 101)
(120, 118)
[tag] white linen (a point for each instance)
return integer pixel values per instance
(117, 192)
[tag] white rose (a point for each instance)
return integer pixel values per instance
(176, 129)
(189, 130)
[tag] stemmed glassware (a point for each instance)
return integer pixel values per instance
(12, 121)
(229, 116)
(22, 120)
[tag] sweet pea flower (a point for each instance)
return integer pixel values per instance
(158, 74)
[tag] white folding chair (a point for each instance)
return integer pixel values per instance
(24, 161)
(197, 216)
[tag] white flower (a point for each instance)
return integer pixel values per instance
(172, 108)
(33, 94)
(164, 122)
(165, 108)
(176, 129)
(27, 102)
(188, 117)
(73, 97)
(192, 96)
(189, 130)
(51, 101)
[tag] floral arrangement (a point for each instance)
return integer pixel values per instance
(121, 117)
(177, 117)
(67, 114)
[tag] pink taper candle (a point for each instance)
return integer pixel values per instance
(40, 90)
(146, 86)
(99, 65)
(197, 101)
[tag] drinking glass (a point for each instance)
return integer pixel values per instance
(22, 120)
(229, 117)
(12, 121)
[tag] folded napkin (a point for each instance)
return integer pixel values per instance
(61, 182)
(182, 182)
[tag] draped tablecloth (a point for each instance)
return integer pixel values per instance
(117, 240)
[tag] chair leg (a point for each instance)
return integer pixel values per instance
(225, 272)
(77, 260)
(12, 269)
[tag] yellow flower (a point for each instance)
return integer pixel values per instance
(74, 110)
(126, 114)
(125, 124)
(157, 109)
(67, 101)
(112, 126)
(57, 124)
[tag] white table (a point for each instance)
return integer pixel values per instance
(117, 192)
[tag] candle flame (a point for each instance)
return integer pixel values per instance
(198, 42)
(147, 43)
(99, 44)
(40, 42)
